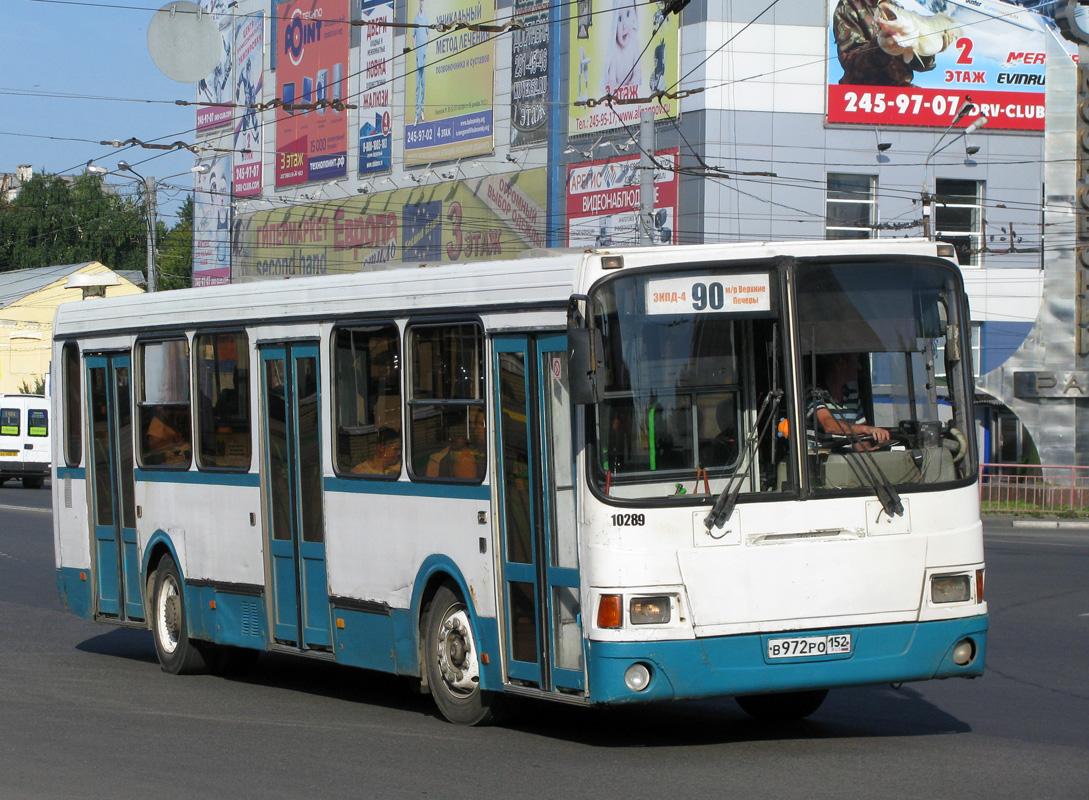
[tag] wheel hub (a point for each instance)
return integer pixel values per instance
(457, 658)
(172, 613)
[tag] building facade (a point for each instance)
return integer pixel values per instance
(366, 133)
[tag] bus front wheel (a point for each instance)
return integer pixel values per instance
(782, 707)
(453, 662)
(177, 654)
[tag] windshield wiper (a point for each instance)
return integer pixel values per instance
(724, 505)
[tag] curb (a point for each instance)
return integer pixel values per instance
(1052, 523)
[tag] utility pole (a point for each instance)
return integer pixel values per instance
(646, 177)
(151, 202)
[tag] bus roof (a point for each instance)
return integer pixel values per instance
(543, 279)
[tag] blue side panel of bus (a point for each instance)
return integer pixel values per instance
(225, 617)
(74, 587)
(735, 665)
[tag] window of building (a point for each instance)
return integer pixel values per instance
(446, 402)
(958, 217)
(367, 368)
(851, 206)
(73, 418)
(163, 404)
(223, 405)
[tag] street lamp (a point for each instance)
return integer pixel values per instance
(151, 186)
(976, 124)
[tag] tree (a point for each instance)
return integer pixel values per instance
(176, 251)
(54, 220)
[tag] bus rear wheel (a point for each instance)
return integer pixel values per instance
(453, 663)
(782, 707)
(177, 654)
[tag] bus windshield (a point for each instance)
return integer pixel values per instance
(696, 377)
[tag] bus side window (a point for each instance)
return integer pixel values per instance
(163, 402)
(223, 408)
(367, 398)
(446, 402)
(73, 418)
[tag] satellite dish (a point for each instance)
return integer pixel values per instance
(184, 41)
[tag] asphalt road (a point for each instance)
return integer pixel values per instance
(85, 712)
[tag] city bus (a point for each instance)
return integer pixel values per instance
(592, 477)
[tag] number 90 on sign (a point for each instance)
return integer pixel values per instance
(709, 294)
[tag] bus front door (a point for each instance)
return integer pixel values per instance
(113, 505)
(291, 467)
(543, 636)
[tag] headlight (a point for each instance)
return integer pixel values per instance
(950, 588)
(649, 610)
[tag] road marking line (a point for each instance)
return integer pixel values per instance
(24, 508)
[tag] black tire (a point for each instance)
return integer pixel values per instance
(782, 707)
(452, 662)
(33, 483)
(169, 626)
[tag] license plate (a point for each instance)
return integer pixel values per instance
(804, 646)
(8, 453)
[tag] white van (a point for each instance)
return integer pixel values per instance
(24, 439)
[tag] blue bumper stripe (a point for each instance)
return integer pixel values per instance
(733, 665)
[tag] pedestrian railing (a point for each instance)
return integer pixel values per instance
(1034, 489)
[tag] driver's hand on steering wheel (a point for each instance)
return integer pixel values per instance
(879, 435)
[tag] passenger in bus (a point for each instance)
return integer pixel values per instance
(387, 455)
(164, 443)
(723, 449)
(464, 455)
(836, 404)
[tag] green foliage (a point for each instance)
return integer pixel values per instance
(56, 221)
(176, 251)
(37, 388)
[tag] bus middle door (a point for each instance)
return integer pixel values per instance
(291, 463)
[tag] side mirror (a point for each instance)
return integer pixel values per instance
(585, 355)
(586, 366)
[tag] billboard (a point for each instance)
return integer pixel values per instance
(212, 224)
(482, 219)
(374, 63)
(448, 85)
(900, 63)
(249, 38)
(529, 73)
(312, 37)
(217, 87)
(603, 202)
(624, 48)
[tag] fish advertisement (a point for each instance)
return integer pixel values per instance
(918, 62)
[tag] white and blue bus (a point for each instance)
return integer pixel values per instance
(590, 477)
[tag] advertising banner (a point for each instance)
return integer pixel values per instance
(603, 202)
(624, 48)
(900, 63)
(249, 38)
(217, 87)
(529, 73)
(448, 85)
(483, 219)
(313, 39)
(375, 66)
(212, 224)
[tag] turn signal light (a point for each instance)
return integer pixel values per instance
(979, 585)
(610, 611)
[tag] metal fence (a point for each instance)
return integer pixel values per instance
(1034, 489)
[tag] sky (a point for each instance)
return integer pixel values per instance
(74, 73)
